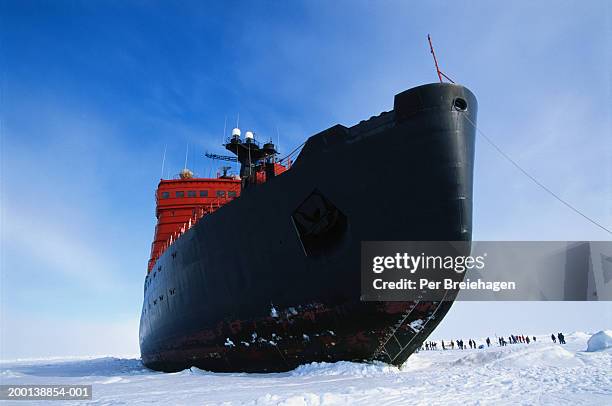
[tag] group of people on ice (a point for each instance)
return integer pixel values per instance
(432, 345)
(512, 339)
(501, 341)
(560, 336)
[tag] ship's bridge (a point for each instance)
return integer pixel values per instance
(182, 202)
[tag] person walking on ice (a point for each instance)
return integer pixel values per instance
(561, 338)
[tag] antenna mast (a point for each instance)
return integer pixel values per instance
(186, 154)
(224, 131)
(163, 161)
(438, 71)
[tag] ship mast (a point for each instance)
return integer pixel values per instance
(253, 156)
(438, 71)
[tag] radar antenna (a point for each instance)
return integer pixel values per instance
(225, 169)
(221, 157)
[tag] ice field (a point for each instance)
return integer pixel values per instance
(537, 373)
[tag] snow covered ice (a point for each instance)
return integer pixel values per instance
(540, 373)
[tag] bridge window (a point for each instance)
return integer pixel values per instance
(220, 193)
(191, 193)
(165, 195)
(180, 194)
(203, 193)
(231, 193)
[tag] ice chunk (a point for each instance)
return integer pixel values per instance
(416, 325)
(600, 341)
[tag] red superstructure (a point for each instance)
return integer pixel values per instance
(261, 176)
(181, 203)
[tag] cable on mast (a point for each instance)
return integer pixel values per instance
(277, 139)
(292, 152)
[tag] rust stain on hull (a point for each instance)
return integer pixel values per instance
(302, 334)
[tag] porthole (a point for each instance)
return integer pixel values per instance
(460, 104)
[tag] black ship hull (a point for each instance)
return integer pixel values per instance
(272, 280)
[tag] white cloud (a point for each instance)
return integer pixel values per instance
(33, 235)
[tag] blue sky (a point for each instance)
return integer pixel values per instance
(92, 92)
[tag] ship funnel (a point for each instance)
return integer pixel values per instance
(236, 133)
(249, 135)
